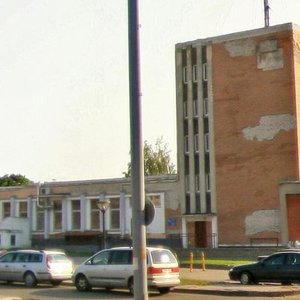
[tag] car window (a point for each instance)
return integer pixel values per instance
(121, 257)
(293, 259)
(162, 257)
(9, 257)
(275, 260)
(22, 257)
(101, 258)
(56, 257)
(35, 258)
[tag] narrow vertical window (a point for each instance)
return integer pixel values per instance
(196, 143)
(6, 209)
(197, 183)
(114, 213)
(207, 182)
(75, 214)
(57, 211)
(186, 144)
(40, 218)
(185, 109)
(95, 218)
(184, 75)
(204, 72)
(195, 108)
(205, 107)
(206, 142)
(23, 209)
(187, 183)
(195, 73)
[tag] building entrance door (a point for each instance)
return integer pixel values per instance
(293, 212)
(201, 234)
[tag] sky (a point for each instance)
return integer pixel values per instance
(64, 77)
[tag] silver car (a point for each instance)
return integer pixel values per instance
(113, 268)
(33, 266)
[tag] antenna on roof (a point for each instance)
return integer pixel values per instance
(267, 16)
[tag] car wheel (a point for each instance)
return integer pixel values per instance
(131, 286)
(164, 290)
(245, 278)
(82, 283)
(30, 280)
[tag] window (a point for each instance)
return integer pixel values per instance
(204, 72)
(185, 109)
(206, 142)
(195, 108)
(100, 259)
(185, 80)
(187, 183)
(197, 183)
(75, 210)
(13, 240)
(196, 142)
(186, 144)
(6, 209)
(155, 199)
(207, 182)
(205, 107)
(121, 257)
(114, 213)
(40, 219)
(57, 211)
(95, 221)
(195, 73)
(23, 209)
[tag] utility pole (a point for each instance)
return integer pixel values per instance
(266, 10)
(137, 157)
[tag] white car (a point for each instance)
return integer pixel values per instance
(113, 268)
(33, 266)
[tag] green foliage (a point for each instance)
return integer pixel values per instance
(157, 160)
(14, 180)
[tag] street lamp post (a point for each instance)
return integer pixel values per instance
(103, 205)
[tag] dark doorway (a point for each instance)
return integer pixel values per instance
(201, 234)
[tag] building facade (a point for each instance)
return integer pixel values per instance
(237, 99)
(66, 213)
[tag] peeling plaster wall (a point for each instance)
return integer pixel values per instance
(262, 220)
(269, 127)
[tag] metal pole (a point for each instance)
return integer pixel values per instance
(137, 159)
(103, 226)
(266, 10)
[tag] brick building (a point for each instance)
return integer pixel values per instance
(238, 137)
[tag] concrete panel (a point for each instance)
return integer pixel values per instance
(270, 60)
(262, 220)
(245, 47)
(269, 127)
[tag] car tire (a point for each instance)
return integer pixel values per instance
(82, 284)
(246, 278)
(131, 286)
(30, 280)
(164, 290)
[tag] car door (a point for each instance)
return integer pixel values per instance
(273, 268)
(6, 266)
(96, 269)
(19, 266)
(120, 267)
(293, 266)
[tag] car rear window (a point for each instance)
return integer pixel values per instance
(56, 258)
(162, 257)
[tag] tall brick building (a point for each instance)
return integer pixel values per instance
(238, 137)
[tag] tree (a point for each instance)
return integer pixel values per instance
(157, 160)
(14, 180)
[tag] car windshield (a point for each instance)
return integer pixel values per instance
(162, 257)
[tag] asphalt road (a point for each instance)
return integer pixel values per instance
(47, 292)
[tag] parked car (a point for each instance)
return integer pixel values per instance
(33, 266)
(283, 267)
(112, 268)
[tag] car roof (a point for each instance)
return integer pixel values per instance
(129, 247)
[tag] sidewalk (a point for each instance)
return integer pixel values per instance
(219, 284)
